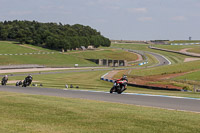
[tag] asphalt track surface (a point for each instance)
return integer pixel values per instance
(165, 102)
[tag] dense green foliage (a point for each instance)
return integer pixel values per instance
(52, 35)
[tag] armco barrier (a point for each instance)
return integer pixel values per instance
(153, 87)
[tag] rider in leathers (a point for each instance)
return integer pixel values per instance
(5, 79)
(29, 79)
(124, 77)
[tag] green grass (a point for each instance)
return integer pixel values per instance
(85, 80)
(56, 59)
(107, 54)
(8, 47)
(31, 113)
(190, 80)
(177, 47)
(12, 48)
(190, 76)
(195, 50)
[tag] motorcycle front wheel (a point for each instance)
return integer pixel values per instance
(112, 89)
(120, 90)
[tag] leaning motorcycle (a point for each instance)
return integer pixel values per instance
(119, 86)
(3, 82)
(26, 82)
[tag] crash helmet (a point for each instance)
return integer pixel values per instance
(6, 76)
(124, 77)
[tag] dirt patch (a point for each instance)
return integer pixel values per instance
(147, 80)
(111, 74)
(185, 50)
(30, 47)
(191, 59)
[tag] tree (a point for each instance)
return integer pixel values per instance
(52, 35)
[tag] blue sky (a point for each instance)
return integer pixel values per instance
(115, 19)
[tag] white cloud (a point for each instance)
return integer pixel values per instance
(145, 19)
(179, 18)
(137, 10)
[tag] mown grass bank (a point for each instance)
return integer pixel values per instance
(31, 113)
(177, 47)
(17, 54)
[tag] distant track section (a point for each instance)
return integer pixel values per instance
(161, 59)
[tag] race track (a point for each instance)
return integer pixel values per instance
(174, 103)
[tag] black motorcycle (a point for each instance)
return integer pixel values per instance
(18, 83)
(3, 82)
(27, 81)
(119, 86)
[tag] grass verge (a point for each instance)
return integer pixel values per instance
(31, 113)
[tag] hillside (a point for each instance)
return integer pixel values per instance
(12, 53)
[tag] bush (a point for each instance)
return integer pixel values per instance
(186, 88)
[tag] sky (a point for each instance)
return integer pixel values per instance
(115, 19)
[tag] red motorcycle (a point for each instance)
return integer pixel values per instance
(119, 86)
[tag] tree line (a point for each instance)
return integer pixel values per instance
(52, 35)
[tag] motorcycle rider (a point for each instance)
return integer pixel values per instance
(4, 79)
(120, 85)
(124, 77)
(29, 79)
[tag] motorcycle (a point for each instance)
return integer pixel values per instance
(18, 83)
(3, 82)
(27, 82)
(119, 86)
